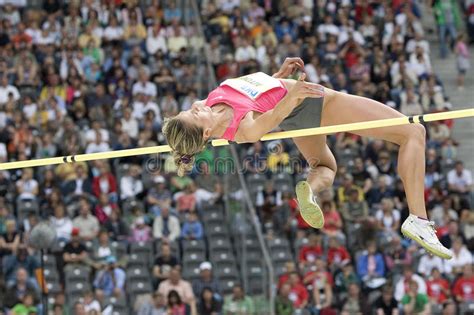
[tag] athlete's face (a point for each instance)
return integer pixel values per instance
(199, 114)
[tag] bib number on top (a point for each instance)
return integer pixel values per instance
(253, 85)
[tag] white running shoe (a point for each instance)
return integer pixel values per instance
(423, 232)
(309, 209)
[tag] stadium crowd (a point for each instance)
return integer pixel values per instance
(92, 76)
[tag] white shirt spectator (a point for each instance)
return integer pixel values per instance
(400, 287)
(412, 43)
(173, 226)
(62, 226)
(153, 107)
(227, 5)
(130, 126)
(94, 147)
(327, 29)
(130, 187)
(312, 73)
(5, 90)
(3, 152)
(464, 258)
(113, 33)
(30, 110)
(88, 226)
(429, 262)
(29, 188)
(155, 42)
(244, 54)
(388, 221)
(147, 88)
(91, 135)
(461, 181)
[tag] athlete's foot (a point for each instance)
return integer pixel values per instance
(423, 232)
(309, 209)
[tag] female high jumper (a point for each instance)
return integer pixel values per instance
(246, 108)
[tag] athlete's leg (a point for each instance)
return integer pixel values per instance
(321, 176)
(321, 160)
(344, 108)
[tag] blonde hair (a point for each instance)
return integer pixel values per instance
(185, 140)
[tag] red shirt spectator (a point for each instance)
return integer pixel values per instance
(437, 287)
(295, 210)
(309, 253)
(299, 294)
(337, 254)
(463, 288)
(332, 219)
(290, 267)
(105, 182)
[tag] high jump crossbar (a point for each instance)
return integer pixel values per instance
(456, 114)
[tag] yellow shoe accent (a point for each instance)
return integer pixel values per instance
(309, 209)
(425, 245)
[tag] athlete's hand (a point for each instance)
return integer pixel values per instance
(302, 89)
(289, 66)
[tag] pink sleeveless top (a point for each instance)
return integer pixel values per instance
(242, 104)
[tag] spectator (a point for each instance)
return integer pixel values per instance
(186, 200)
(388, 219)
(338, 255)
(27, 186)
(414, 301)
(461, 256)
(309, 252)
(208, 303)
(344, 278)
(192, 228)
(22, 260)
(447, 20)
(176, 283)
(438, 288)
(159, 195)
(16, 293)
(298, 293)
(403, 286)
(320, 279)
(283, 304)
(207, 280)
(463, 288)
(429, 262)
(26, 306)
(140, 231)
(116, 227)
(371, 267)
(176, 305)
(61, 224)
(386, 304)
(155, 307)
(164, 264)
(105, 183)
(11, 239)
(74, 252)
(238, 302)
(110, 281)
(131, 185)
(460, 180)
(166, 226)
(355, 303)
(104, 208)
(80, 185)
(87, 224)
(462, 59)
(90, 303)
(332, 221)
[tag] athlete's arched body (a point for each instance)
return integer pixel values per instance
(246, 108)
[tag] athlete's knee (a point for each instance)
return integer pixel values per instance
(414, 133)
(417, 132)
